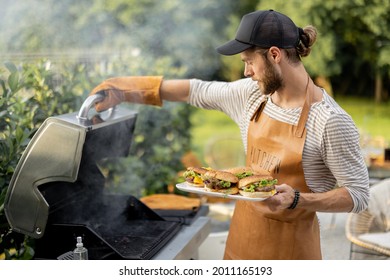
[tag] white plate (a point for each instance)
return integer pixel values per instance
(199, 190)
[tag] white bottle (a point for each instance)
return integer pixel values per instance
(80, 253)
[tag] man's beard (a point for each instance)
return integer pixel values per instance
(272, 80)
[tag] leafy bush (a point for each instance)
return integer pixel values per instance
(29, 95)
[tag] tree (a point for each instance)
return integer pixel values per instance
(363, 38)
(186, 31)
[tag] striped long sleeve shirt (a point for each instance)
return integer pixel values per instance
(331, 155)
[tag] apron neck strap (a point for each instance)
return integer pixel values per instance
(305, 110)
(255, 117)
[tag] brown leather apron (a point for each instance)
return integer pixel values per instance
(256, 232)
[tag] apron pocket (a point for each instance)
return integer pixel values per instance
(280, 242)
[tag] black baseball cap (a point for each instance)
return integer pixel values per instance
(263, 29)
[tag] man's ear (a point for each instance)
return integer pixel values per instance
(275, 54)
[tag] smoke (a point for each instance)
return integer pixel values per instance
(185, 31)
(183, 34)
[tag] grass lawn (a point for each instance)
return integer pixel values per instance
(372, 120)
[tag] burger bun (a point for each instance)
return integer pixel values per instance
(226, 191)
(199, 170)
(252, 179)
(257, 194)
(221, 175)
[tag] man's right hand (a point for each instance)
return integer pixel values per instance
(137, 89)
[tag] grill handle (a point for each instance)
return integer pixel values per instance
(89, 103)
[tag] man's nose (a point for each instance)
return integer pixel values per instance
(247, 72)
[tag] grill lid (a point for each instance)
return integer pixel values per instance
(54, 154)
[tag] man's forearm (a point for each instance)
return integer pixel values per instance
(337, 200)
(175, 90)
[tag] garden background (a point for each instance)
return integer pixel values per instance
(52, 53)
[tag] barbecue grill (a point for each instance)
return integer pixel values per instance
(57, 191)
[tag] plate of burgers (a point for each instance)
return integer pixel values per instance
(228, 184)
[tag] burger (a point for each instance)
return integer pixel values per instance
(220, 181)
(257, 186)
(193, 176)
(242, 171)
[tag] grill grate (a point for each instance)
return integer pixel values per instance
(134, 232)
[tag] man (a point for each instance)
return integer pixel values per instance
(290, 128)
